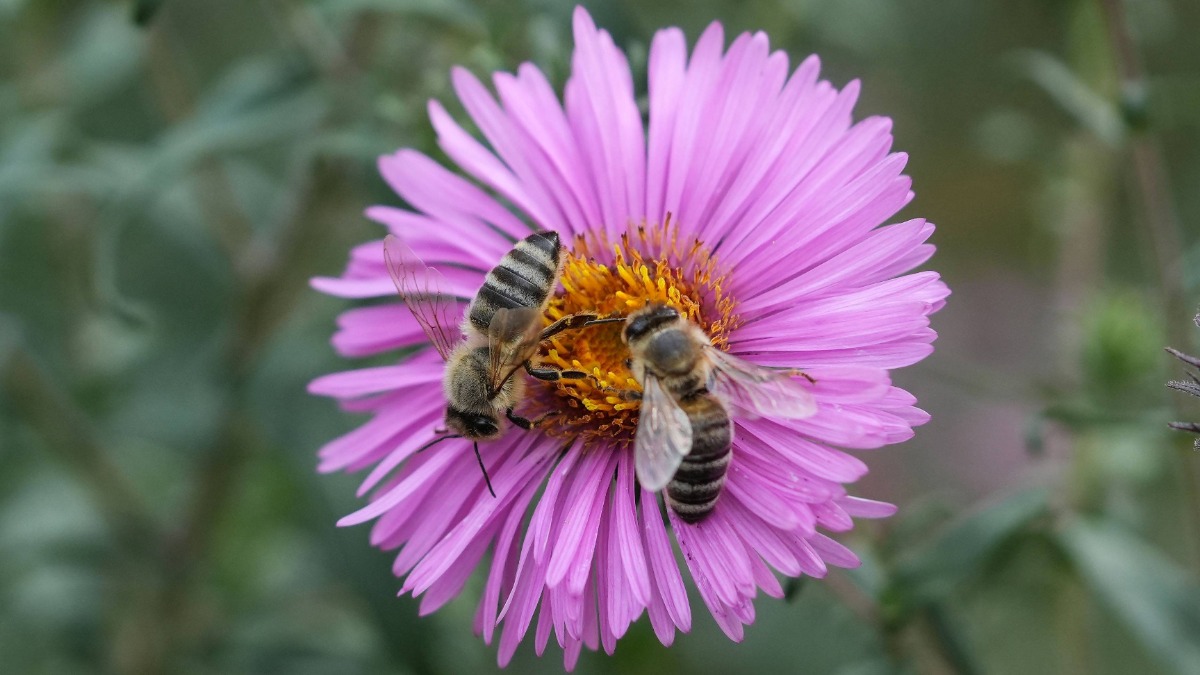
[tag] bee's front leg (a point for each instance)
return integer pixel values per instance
(549, 374)
(574, 321)
(623, 394)
(519, 421)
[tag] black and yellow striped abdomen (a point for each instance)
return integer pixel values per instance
(525, 277)
(693, 491)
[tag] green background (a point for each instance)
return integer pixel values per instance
(173, 171)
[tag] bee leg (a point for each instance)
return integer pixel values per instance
(545, 416)
(572, 322)
(528, 424)
(623, 394)
(518, 420)
(547, 374)
(796, 371)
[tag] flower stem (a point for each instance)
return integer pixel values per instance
(923, 636)
(946, 638)
(1162, 223)
(68, 432)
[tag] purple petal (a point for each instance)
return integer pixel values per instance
(534, 109)
(834, 553)
(397, 493)
(607, 124)
(666, 575)
(504, 565)
(667, 74)
(702, 71)
(375, 439)
(354, 383)
(716, 557)
(625, 531)
(529, 193)
(866, 508)
(509, 482)
(370, 330)
(573, 549)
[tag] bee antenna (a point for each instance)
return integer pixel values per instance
(483, 469)
(435, 441)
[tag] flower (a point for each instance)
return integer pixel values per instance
(754, 205)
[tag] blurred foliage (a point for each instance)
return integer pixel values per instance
(172, 171)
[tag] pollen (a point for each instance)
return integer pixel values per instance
(612, 279)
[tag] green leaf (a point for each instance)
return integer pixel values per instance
(963, 548)
(1142, 588)
(105, 54)
(1091, 110)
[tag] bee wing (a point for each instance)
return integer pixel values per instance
(664, 436)
(423, 290)
(757, 390)
(512, 340)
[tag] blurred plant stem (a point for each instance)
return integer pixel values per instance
(924, 639)
(1161, 225)
(1082, 238)
(928, 641)
(69, 433)
(267, 263)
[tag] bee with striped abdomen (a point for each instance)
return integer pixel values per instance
(499, 335)
(684, 436)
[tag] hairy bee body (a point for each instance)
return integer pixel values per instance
(696, 485)
(684, 440)
(668, 348)
(472, 409)
(525, 277)
(500, 333)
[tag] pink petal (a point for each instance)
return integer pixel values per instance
(530, 193)
(607, 124)
(378, 437)
(668, 57)
(834, 553)
(702, 72)
(573, 550)
(534, 109)
(866, 508)
(625, 531)
(398, 493)
(370, 330)
(355, 383)
(666, 575)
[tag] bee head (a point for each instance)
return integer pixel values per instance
(472, 425)
(647, 320)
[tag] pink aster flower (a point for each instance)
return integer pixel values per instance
(751, 202)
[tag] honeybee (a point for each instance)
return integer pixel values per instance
(499, 334)
(684, 434)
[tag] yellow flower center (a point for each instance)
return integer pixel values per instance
(615, 279)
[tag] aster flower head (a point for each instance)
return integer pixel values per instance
(751, 203)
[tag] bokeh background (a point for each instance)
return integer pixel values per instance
(172, 172)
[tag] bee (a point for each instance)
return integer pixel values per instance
(684, 435)
(499, 334)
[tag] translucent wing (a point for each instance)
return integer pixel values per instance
(423, 290)
(512, 340)
(664, 436)
(757, 390)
